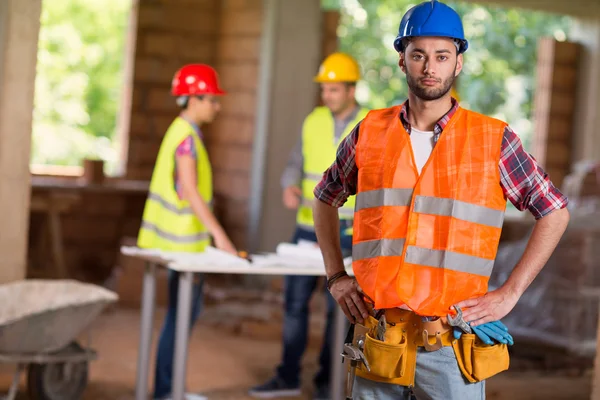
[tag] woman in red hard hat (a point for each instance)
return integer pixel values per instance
(178, 213)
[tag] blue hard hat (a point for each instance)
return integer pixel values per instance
(431, 18)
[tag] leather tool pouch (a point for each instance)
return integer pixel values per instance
(387, 359)
(478, 361)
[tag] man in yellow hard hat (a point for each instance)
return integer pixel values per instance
(322, 131)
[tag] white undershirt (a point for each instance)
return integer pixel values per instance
(422, 145)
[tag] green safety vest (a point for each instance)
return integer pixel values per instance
(319, 149)
(169, 223)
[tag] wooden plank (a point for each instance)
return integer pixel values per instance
(62, 202)
(71, 187)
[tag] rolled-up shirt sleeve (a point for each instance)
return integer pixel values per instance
(526, 185)
(340, 180)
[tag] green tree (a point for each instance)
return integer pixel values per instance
(79, 79)
(499, 69)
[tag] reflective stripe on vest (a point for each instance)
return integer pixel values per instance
(423, 256)
(196, 237)
(427, 205)
(168, 222)
(187, 210)
(460, 210)
(449, 260)
(377, 248)
(427, 240)
(383, 197)
(169, 206)
(319, 149)
(342, 211)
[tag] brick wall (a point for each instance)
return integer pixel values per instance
(169, 34)
(330, 41)
(554, 109)
(225, 34)
(231, 136)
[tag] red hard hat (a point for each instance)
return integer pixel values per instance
(195, 80)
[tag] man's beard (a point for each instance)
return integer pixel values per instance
(429, 93)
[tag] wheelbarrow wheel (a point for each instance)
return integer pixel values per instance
(57, 381)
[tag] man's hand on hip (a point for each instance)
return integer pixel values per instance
(492, 306)
(348, 295)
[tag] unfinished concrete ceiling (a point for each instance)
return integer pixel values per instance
(578, 8)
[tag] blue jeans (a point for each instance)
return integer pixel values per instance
(298, 291)
(166, 344)
(437, 377)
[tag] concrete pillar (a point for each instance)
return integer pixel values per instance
(288, 63)
(19, 30)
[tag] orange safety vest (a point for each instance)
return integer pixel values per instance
(427, 241)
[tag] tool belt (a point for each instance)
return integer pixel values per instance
(394, 360)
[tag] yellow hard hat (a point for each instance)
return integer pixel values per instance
(338, 67)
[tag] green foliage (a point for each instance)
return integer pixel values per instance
(499, 69)
(79, 80)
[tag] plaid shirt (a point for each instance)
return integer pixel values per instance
(523, 181)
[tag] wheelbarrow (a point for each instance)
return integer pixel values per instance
(40, 321)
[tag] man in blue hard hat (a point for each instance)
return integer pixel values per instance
(431, 180)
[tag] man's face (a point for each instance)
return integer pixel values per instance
(205, 108)
(431, 64)
(337, 96)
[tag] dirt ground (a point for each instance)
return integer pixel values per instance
(223, 364)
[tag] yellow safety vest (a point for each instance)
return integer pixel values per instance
(169, 223)
(319, 149)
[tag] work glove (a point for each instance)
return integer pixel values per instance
(489, 332)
